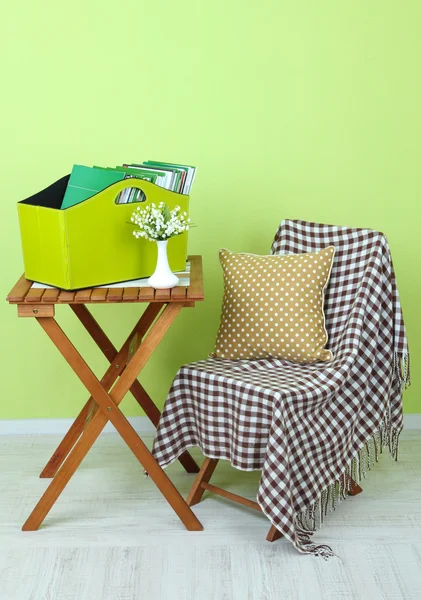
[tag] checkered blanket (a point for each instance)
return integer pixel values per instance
(310, 429)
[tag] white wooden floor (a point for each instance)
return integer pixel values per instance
(111, 536)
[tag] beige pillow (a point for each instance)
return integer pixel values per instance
(273, 306)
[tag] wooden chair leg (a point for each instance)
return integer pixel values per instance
(108, 404)
(354, 489)
(204, 475)
(274, 534)
(201, 484)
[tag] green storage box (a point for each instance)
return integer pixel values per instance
(92, 243)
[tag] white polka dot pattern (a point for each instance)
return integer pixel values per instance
(273, 306)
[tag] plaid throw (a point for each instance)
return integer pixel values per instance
(310, 429)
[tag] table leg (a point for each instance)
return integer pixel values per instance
(118, 363)
(108, 404)
(66, 443)
(139, 393)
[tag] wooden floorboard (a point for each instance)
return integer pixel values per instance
(112, 536)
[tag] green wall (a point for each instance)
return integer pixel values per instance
(305, 109)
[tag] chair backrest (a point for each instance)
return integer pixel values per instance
(355, 249)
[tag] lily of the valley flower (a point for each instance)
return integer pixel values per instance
(159, 223)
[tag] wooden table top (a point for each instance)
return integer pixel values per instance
(23, 293)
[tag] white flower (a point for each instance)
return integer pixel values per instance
(158, 223)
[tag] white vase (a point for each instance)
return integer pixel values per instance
(163, 278)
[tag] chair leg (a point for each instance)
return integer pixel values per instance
(354, 489)
(204, 475)
(197, 491)
(274, 534)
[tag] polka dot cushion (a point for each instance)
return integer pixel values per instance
(273, 306)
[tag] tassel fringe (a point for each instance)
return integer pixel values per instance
(402, 369)
(332, 496)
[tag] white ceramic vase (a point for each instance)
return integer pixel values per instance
(163, 278)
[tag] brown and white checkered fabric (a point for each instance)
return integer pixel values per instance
(302, 425)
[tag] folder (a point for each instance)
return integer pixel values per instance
(85, 182)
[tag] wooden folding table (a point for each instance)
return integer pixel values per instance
(121, 376)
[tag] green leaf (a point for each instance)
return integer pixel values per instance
(166, 213)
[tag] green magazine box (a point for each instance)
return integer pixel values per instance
(92, 242)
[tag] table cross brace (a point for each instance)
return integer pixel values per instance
(79, 443)
(118, 363)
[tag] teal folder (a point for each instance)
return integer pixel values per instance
(84, 182)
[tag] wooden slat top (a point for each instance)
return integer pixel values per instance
(22, 293)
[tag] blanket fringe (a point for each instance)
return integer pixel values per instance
(402, 369)
(331, 497)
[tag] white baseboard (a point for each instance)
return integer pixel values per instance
(61, 426)
(140, 424)
(412, 421)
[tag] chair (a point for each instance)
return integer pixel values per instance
(332, 419)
